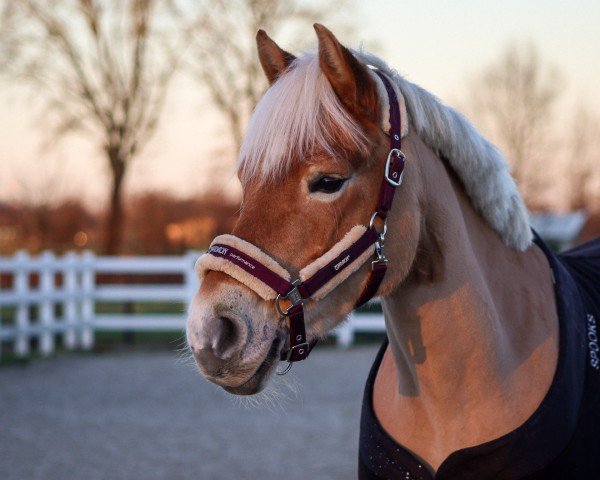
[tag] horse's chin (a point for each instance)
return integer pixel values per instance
(251, 387)
(258, 381)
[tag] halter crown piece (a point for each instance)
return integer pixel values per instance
(254, 268)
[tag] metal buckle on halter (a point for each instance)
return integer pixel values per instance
(396, 182)
(292, 296)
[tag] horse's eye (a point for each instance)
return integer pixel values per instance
(327, 184)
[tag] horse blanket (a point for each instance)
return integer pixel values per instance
(561, 439)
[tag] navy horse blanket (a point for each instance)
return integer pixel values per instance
(561, 439)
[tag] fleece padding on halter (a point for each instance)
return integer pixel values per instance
(352, 266)
(247, 263)
(233, 262)
(384, 100)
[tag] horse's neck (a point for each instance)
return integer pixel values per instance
(473, 330)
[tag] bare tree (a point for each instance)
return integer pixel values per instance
(583, 157)
(223, 50)
(513, 100)
(101, 67)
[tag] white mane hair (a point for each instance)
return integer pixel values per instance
(300, 112)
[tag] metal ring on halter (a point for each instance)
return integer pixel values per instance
(285, 370)
(292, 296)
(372, 223)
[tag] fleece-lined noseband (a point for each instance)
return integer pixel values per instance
(258, 271)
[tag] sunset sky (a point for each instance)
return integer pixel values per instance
(438, 45)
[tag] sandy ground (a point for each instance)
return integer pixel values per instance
(150, 416)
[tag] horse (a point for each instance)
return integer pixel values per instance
(483, 370)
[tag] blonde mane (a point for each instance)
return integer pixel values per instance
(300, 113)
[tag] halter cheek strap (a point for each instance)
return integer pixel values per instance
(264, 275)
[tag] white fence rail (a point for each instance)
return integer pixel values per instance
(48, 297)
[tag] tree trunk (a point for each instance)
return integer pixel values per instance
(114, 220)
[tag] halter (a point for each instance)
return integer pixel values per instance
(257, 270)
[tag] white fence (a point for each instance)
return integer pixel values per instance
(48, 297)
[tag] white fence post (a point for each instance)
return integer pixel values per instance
(88, 280)
(345, 333)
(190, 279)
(47, 338)
(70, 300)
(21, 288)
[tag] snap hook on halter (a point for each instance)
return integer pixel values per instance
(380, 256)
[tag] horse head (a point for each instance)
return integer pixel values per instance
(311, 166)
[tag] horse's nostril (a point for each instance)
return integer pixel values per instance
(216, 341)
(209, 361)
(223, 343)
(227, 339)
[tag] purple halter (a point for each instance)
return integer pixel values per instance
(273, 284)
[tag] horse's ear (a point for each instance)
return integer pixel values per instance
(350, 80)
(273, 59)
